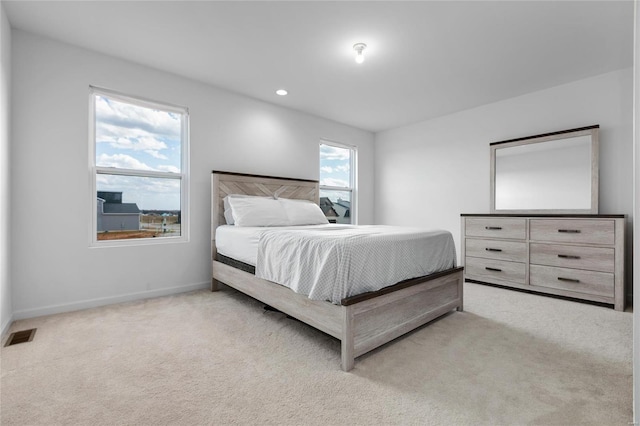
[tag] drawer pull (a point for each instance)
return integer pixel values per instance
(569, 231)
(568, 256)
(493, 228)
(494, 269)
(573, 280)
(492, 249)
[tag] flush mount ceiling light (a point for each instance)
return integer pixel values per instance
(359, 48)
(281, 92)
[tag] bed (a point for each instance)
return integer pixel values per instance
(362, 322)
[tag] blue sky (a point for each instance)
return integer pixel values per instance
(134, 137)
(335, 170)
(334, 166)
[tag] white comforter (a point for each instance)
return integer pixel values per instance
(341, 261)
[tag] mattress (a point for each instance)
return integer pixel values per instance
(241, 242)
(332, 262)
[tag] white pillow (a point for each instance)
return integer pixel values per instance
(303, 212)
(257, 211)
(228, 215)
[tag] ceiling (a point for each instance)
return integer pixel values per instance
(424, 58)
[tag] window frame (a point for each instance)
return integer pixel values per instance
(95, 170)
(352, 177)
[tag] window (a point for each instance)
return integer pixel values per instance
(139, 168)
(337, 182)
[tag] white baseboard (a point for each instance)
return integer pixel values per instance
(5, 328)
(93, 303)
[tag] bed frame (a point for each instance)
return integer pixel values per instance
(362, 322)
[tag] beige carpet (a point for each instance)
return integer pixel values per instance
(218, 358)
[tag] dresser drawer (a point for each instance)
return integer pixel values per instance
(596, 283)
(496, 227)
(514, 251)
(578, 257)
(489, 270)
(572, 231)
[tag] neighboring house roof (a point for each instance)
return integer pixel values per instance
(341, 210)
(329, 211)
(120, 208)
(327, 207)
(110, 196)
(343, 207)
(344, 203)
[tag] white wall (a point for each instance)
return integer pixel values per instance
(6, 310)
(428, 173)
(54, 268)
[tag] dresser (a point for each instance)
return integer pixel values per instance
(579, 256)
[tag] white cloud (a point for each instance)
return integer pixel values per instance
(328, 152)
(156, 154)
(334, 182)
(170, 169)
(129, 139)
(137, 142)
(135, 117)
(326, 169)
(121, 161)
(127, 127)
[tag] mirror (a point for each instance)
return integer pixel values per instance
(553, 173)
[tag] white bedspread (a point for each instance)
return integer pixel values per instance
(241, 242)
(334, 262)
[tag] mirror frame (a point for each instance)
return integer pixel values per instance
(546, 137)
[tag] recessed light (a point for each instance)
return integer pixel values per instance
(281, 92)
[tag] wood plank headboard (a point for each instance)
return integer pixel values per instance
(225, 183)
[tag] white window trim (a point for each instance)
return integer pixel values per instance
(94, 170)
(353, 177)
